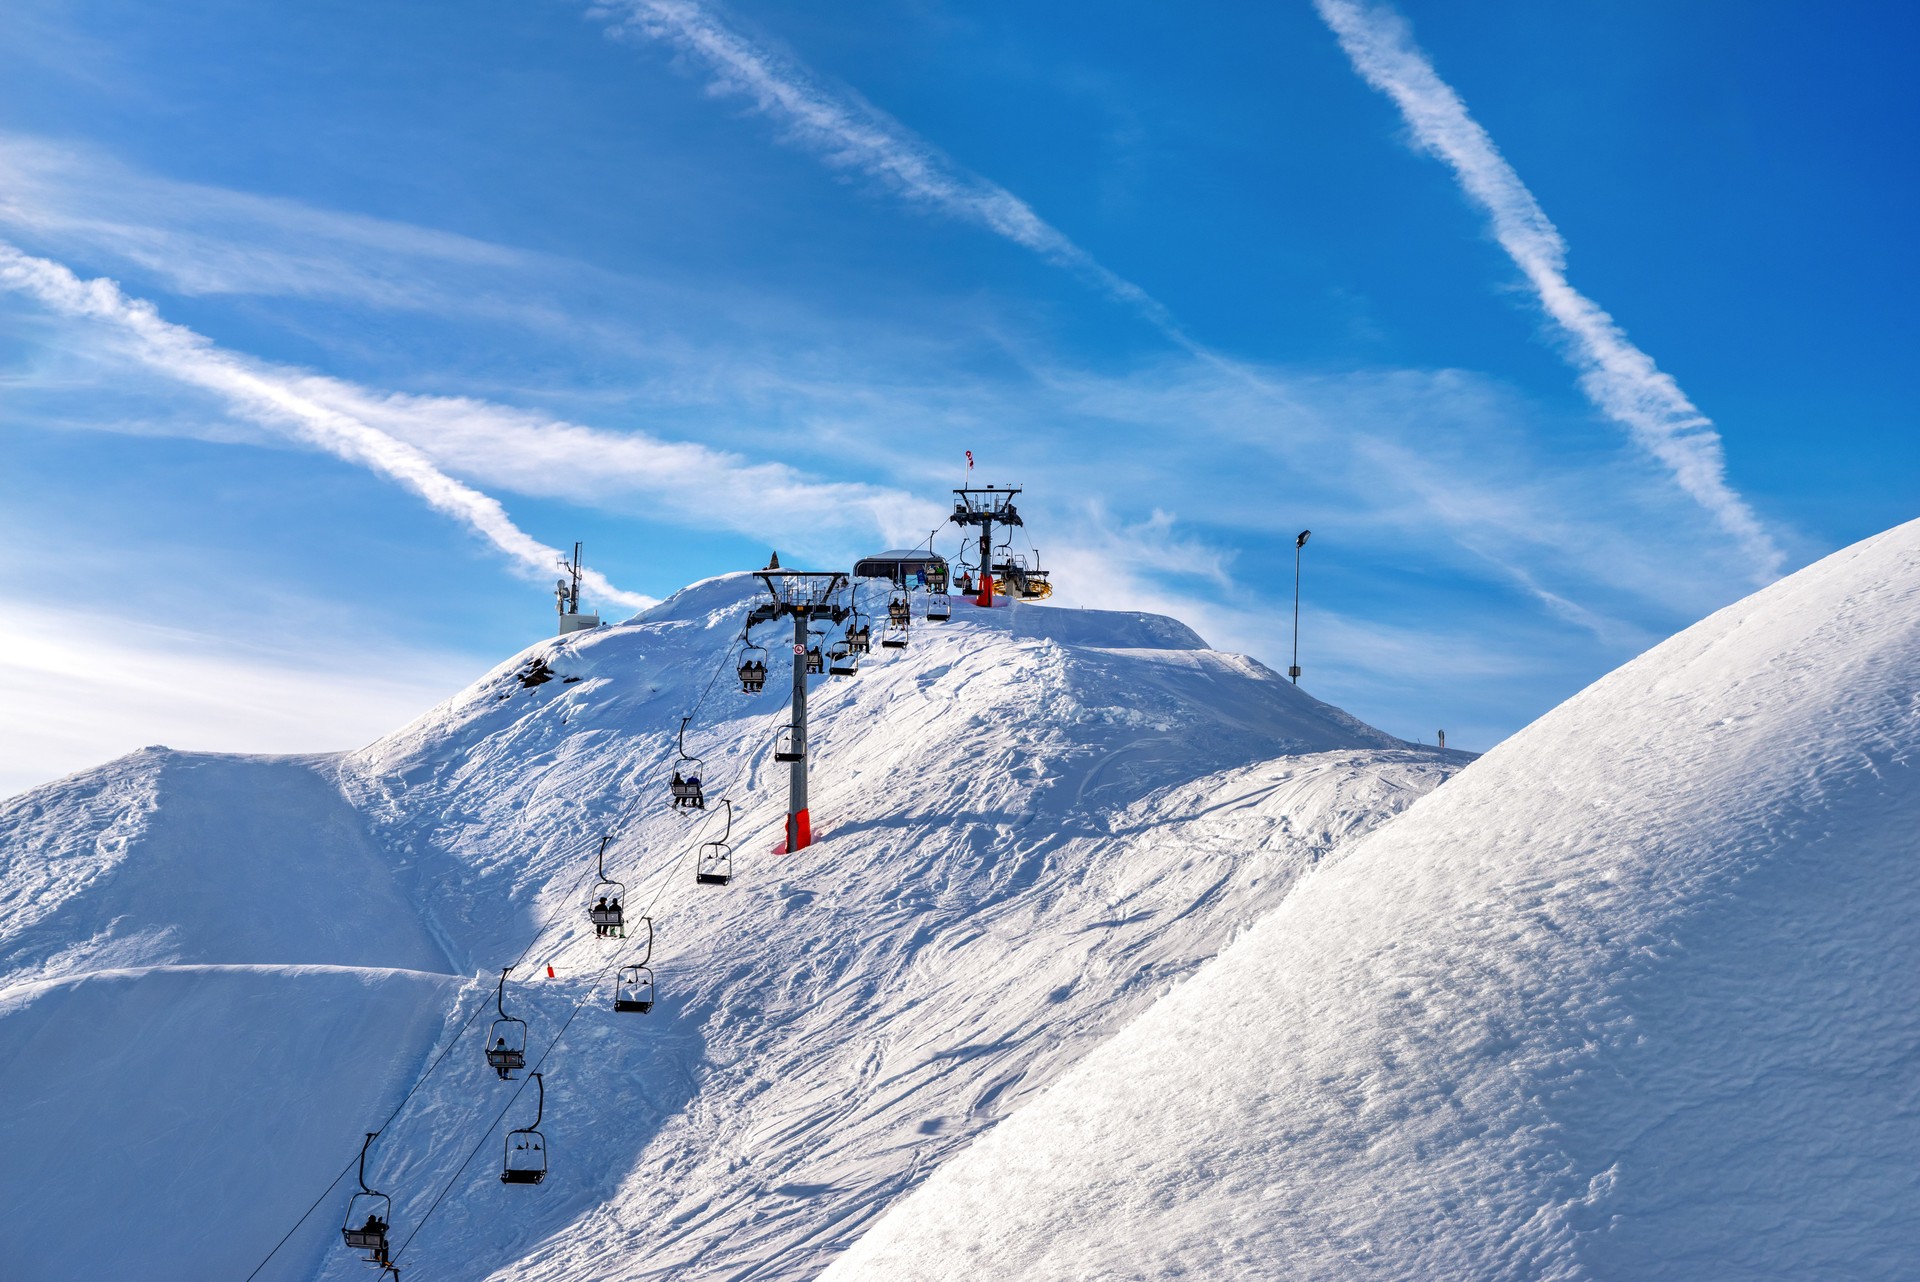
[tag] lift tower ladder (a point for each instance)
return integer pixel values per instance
(801, 595)
(985, 507)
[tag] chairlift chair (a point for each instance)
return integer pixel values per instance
(860, 638)
(633, 990)
(842, 664)
(633, 983)
(526, 1157)
(753, 667)
(714, 867)
(939, 608)
(507, 1037)
(783, 748)
(685, 784)
(605, 910)
(368, 1234)
(900, 609)
(816, 661)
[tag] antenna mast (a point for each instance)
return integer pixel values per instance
(566, 594)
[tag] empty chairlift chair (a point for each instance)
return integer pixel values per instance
(784, 748)
(686, 784)
(714, 867)
(369, 1216)
(939, 607)
(526, 1161)
(507, 1038)
(633, 990)
(633, 984)
(841, 661)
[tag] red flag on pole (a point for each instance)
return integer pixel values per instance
(969, 460)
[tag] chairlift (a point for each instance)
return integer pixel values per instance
(753, 666)
(605, 910)
(860, 638)
(686, 776)
(900, 609)
(715, 864)
(784, 749)
(526, 1159)
(507, 1038)
(368, 1234)
(633, 984)
(939, 607)
(937, 578)
(633, 990)
(816, 661)
(842, 663)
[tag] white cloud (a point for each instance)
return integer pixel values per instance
(1620, 379)
(268, 396)
(81, 688)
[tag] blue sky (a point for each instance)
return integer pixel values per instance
(405, 292)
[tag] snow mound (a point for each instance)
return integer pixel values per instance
(1632, 997)
(150, 1133)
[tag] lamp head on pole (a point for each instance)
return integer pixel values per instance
(1302, 540)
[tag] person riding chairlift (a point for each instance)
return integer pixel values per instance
(599, 909)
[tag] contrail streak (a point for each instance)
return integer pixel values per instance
(260, 395)
(1617, 377)
(853, 134)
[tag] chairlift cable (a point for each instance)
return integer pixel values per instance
(404, 1100)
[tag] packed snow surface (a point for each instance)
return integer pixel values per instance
(1632, 997)
(216, 972)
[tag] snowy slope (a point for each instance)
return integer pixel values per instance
(1030, 824)
(1633, 997)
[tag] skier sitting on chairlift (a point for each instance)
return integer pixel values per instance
(598, 909)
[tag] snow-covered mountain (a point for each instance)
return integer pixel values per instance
(1633, 997)
(216, 972)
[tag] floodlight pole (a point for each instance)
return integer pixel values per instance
(1293, 670)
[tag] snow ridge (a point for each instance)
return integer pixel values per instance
(1631, 997)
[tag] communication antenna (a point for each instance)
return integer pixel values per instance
(566, 594)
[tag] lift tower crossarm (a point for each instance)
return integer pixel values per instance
(985, 506)
(802, 595)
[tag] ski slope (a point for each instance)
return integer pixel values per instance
(1029, 825)
(1632, 997)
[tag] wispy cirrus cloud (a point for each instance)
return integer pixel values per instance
(1621, 380)
(202, 240)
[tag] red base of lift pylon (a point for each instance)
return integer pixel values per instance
(985, 598)
(799, 833)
